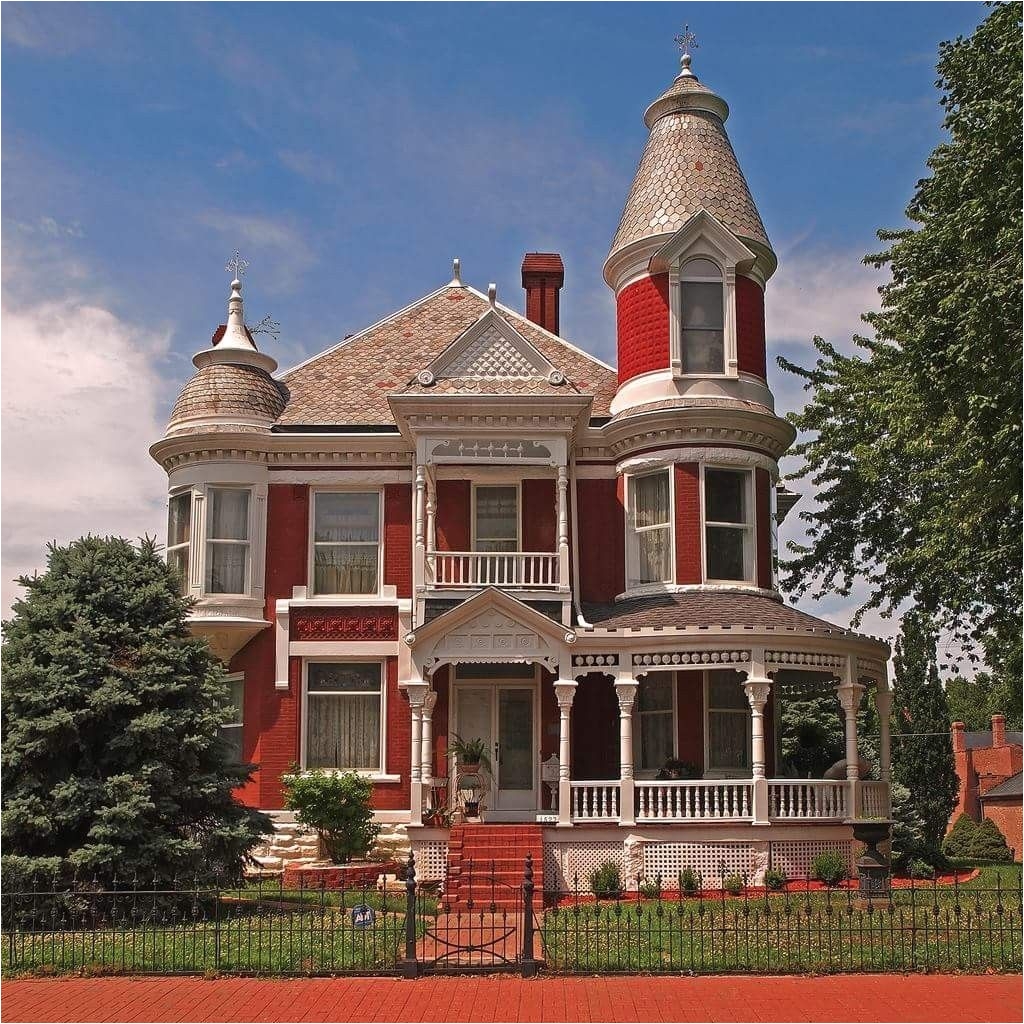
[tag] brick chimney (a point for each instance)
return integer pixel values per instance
(958, 736)
(998, 731)
(543, 277)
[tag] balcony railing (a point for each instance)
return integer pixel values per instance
(712, 800)
(595, 801)
(526, 570)
(874, 799)
(807, 799)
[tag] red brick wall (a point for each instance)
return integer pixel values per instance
(452, 517)
(540, 527)
(750, 344)
(287, 540)
(763, 516)
(394, 796)
(398, 538)
(690, 717)
(256, 661)
(688, 540)
(594, 742)
(602, 538)
(642, 314)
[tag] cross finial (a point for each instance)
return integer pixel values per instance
(687, 41)
(237, 266)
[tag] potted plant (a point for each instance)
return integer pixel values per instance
(676, 769)
(437, 817)
(470, 755)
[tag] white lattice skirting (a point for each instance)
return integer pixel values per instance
(431, 859)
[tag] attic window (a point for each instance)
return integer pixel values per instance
(702, 318)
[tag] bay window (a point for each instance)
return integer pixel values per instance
(728, 525)
(496, 518)
(728, 723)
(655, 710)
(702, 318)
(650, 517)
(346, 542)
(343, 716)
(227, 541)
(179, 534)
(231, 730)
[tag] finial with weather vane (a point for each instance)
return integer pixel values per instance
(687, 42)
(237, 266)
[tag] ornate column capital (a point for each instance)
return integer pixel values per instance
(417, 690)
(429, 702)
(626, 691)
(757, 691)
(565, 691)
(850, 694)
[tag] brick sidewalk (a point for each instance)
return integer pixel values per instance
(838, 998)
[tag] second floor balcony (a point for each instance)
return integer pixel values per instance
(520, 570)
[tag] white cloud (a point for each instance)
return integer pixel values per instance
(80, 402)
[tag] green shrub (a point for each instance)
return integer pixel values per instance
(689, 883)
(606, 881)
(918, 868)
(774, 880)
(989, 843)
(650, 888)
(960, 840)
(337, 806)
(829, 867)
(733, 884)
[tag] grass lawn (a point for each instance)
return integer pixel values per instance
(970, 928)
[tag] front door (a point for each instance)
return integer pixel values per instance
(504, 716)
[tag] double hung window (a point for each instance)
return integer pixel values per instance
(227, 541)
(702, 318)
(232, 729)
(343, 715)
(655, 712)
(179, 535)
(728, 722)
(497, 518)
(650, 515)
(728, 525)
(346, 542)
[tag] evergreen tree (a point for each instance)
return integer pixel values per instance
(113, 762)
(923, 749)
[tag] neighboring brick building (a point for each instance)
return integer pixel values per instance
(988, 765)
(457, 522)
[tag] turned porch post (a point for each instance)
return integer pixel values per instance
(563, 529)
(416, 689)
(757, 687)
(420, 556)
(430, 540)
(849, 696)
(427, 741)
(565, 691)
(625, 689)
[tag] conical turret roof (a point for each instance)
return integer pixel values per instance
(688, 165)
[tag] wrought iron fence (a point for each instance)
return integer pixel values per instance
(484, 922)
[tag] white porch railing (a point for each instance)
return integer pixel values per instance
(595, 801)
(703, 800)
(874, 799)
(806, 799)
(525, 569)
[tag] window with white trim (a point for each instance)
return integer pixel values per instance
(179, 535)
(728, 525)
(496, 518)
(650, 533)
(702, 318)
(728, 719)
(231, 730)
(344, 715)
(656, 715)
(346, 542)
(227, 541)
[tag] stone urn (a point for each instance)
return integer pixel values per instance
(872, 866)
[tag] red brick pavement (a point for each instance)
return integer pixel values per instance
(838, 998)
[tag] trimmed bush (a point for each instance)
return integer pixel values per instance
(829, 867)
(733, 884)
(960, 840)
(337, 807)
(989, 843)
(689, 883)
(918, 868)
(650, 888)
(774, 880)
(606, 881)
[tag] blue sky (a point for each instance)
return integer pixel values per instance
(352, 150)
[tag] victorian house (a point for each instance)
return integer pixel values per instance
(457, 525)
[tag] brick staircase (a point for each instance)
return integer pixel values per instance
(486, 865)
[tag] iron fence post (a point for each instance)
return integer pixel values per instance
(529, 964)
(410, 967)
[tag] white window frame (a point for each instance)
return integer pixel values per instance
(517, 485)
(718, 771)
(378, 774)
(311, 560)
(237, 677)
(749, 529)
(638, 733)
(247, 543)
(632, 546)
(677, 314)
(186, 581)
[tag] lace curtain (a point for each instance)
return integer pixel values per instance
(652, 528)
(227, 537)
(497, 518)
(346, 539)
(343, 717)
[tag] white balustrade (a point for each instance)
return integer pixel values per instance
(524, 569)
(805, 799)
(595, 801)
(874, 799)
(703, 800)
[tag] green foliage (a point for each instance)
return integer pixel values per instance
(913, 443)
(113, 762)
(337, 806)
(472, 751)
(733, 884)
(997, 691)
(959, 843)
(606, 880)
(922, 748)
(689, 883)
(774, 880)
(813, 736)
(918, 868)
(828, 867)
(650, 888)
(989, 843)
(907, 835)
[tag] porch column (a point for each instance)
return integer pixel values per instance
(420, 555)
(883, 704)
(563, 529)
(427, 748)
(625, 689)
(430, 540)
(757, 690)
(850, 691)
(565, 691)
(417, 691)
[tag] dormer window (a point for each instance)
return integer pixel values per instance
(702, 318)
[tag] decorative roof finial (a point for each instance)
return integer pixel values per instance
(235, 334)
(456, 280)
(686, 43)
(492, 294)
(237, 266)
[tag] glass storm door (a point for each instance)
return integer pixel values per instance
(502, 716)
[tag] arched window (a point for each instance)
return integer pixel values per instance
(702, 318)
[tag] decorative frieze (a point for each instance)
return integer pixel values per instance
(335, 624)
(595, 660)
(870, 667)
(809, 658)
(691, 658)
